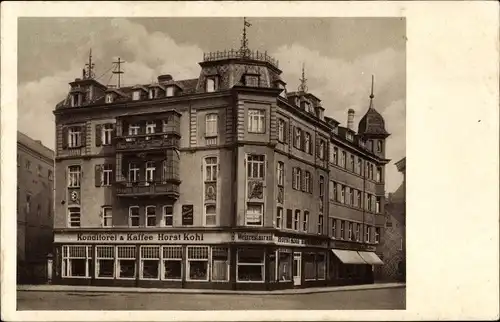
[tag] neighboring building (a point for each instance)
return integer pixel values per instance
(215, 182)
(393, 246)
(35, 208)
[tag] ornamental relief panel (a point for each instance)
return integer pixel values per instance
(255, 189)
(281, 195)
(210, 191)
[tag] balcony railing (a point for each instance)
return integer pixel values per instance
(134, 189)
(147, 141)
(239, 54)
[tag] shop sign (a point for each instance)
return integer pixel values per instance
(141, 237)
(282, 240)
(187, 215)
(252, 237)
(356, 246)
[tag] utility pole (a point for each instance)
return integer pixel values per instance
(118, 70)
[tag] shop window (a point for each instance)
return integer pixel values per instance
(250, 265)
(172, 263)
(76, 261)
(168, 215)
(150, 216)
(220, 264)
(285, 265)
(126, 256)
(105, 261)
(150, 262)
(321, 262)
(309, 266)
(272, 268)
(197, 263)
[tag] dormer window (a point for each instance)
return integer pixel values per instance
(136, 95)
(282, 87)
(379, 146)
(170, 91)
(308, 107)
(335, 130)
(297, 101)
(153, 93)
(109, 98)
(74, 100)
(370, 145)
(252, 80)
(349, 136)
(361, 143)
(211, 84)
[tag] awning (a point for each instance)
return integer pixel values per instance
(348, 256)
(371, 258)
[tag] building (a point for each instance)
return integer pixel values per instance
(221, 181)
(393, 246)
(35, 208)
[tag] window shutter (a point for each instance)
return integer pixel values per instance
(65, 137)
(289, 218)
(294, 137)
(303, 176)
(98, 172)
(302, 140)
(158, 170)
(83, 136)
(98, 135)
(317, 148)
(293, 177)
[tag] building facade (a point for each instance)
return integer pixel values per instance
(221, 181)
(35, 208)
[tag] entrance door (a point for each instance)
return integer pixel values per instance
(297, 268)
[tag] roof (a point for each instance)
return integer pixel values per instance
(34, 145)
(372, 123)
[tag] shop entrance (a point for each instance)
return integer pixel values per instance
(297, 268)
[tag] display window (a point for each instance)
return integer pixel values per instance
(76, 261)
(250, 265)
(105, 262)
(125, 261)
(197, 263)
(172, 263)
(150, 262)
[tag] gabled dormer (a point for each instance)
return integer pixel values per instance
(84, 92)
(155, 91)
(170, 86)
(113, 95)
(139, 93)
(281, 85)
(333, 124)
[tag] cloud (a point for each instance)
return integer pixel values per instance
(147, 55)
(342, 84)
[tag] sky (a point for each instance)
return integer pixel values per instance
(339, 54)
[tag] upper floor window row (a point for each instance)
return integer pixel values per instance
(355, 164)
(302, 140)
(148, 127)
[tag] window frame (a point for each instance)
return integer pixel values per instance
(189, 260)
(307, 181)
(262, 264)
(74, 137)
(279, 217)
(138, 216)
(260, 161)
(228, 261)
(206, 214)
(164, 258)
(74, 176)
(135, 170)
(71, 211)
(211, 125)
(280, 172)
(66, 258)
(147, 216)
(107, 134)
(105, 216)
(149, 172)
(296, 219)
(98, 258)
(305, 221)
(107, 173)
(261, 206)
(281, 130)
(256, 121)
(144, 258)
(165, 215)
(132, 250)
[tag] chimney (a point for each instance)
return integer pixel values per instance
(164, 78)
(350, 119)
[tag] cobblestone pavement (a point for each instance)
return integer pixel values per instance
(375, 299)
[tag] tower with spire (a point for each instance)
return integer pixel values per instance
(371, 128)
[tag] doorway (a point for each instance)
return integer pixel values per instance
(297, 269)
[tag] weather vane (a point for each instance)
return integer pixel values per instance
(303, 80)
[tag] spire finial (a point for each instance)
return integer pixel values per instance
(90, 67)
(244, 41)
(371, 93)
(303, 80)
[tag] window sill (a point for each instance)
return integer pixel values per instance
(189, 280)
(79, 277)
(238, 281)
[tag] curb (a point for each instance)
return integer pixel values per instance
(50, 288)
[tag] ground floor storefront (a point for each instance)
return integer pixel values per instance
(201, 259)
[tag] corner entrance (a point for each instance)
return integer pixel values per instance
(297, 268)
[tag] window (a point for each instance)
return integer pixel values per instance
(358, 232)
(133, 172)
(153, 93)
(298, 138)
(220, 264)
(107, 174)
(335, 155)
(369, 202)
(379, 174)
(76, 261)
(379, 146)
(28, 203)
(170, 91)
(211, 126)
(305, 226)
(279, 217)
(105, 262)
(281, 130)
(280, 171)
(285, 265)
(125, 262)
(342, 228)
(197, 263)
(250, 265)
(133, 129)
(136, 95)
(359, 166)
(343, 161)
(107, 217)
(150, 127)
(256, 120)
(342, 194)
(51, 175)
(296, 220)
(334, 228)
(307, 143)
(322, 149)
(254, 215)
(172, 263)
(347, 195)
(350, 232)
(351, 194)
(133, 216)
(255, 166)
(150, 262)
(168, 215)
(150, 216)
(359, 198)
(349, 136)
(297, 179)
(210, 169)
(368, 235)
(74, 176)
(331, 190)
(74, 137)
(377, 204)
(289, 218)
(321, 264)
(321, 186)
(109, 98)
(307, 181)
(320, 224)
(211, 84)
(107, 132)
(309, 266)
(150, 171)
(377, 235)
(252, 80)
(370, 145)
(352, 162)
(371, 171)
(210, 215)
(39, 170)
(74, 217)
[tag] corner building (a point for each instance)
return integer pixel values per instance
(221, 181)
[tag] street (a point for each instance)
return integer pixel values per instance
(375, 299)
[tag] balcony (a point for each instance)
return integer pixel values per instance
(239, 54)
(152, 189)
(143, 142)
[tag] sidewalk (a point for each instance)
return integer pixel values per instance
(111, 289)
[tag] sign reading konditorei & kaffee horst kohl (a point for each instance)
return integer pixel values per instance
(142, 237)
